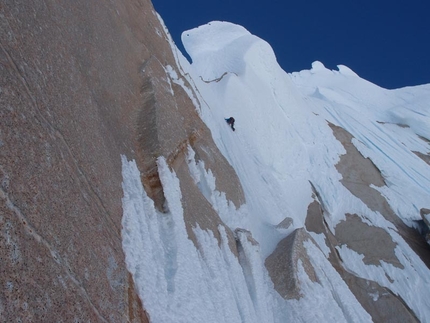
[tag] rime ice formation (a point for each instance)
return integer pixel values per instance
(333, 184)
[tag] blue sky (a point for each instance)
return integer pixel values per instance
(385, 42)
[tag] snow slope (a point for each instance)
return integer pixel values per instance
(282, 143)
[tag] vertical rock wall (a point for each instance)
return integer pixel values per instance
(82, 82)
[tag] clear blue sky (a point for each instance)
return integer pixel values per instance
(385, 42)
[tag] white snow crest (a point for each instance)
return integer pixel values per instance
(219, 47)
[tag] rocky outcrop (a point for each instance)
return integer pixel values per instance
(283, 263)
(375, 244)
(378, 301)
(358, 174)
(424, 157)
(363, 238)
(82, 83)
(425, 215)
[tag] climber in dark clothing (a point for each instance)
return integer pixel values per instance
(230, 121)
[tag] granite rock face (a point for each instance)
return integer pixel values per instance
(425, 215)
(283, 263)
(359, 174)
(82, 83)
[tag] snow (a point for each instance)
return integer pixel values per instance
(169, 270)
(333, 294)
(205, 181)
(411, 283)
(281, 145)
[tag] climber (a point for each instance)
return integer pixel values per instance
(230, 121)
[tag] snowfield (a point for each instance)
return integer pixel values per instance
(281, 145)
